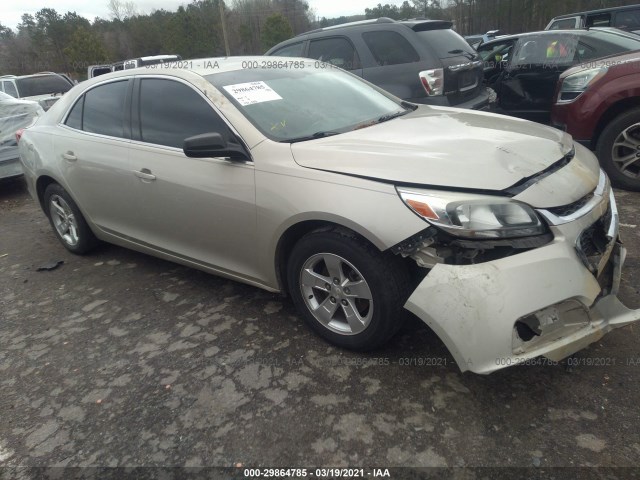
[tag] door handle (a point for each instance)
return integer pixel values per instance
(144, 174)
(69, 156)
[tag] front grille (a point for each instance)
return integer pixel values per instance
(570, 209)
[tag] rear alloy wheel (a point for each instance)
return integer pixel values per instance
(619, 150)
(347, 291)
(68, 223)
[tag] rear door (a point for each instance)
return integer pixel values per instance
(92, 151)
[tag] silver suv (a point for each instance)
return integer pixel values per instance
(44, 87)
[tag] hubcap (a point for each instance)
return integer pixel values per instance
(64, 220)
(336, 294)
(626, 152)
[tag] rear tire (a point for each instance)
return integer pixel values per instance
(347, 291)
(68, 223)
(618, 150)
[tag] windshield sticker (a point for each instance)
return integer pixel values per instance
(252, 92)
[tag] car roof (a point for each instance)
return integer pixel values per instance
(574, 31)
(417, 24)
(198, 66)
(595, 12)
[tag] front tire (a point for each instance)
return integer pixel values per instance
(68, 223)
(618, 150)
(347, 291)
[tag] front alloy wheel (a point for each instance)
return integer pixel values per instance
(336, 293)
(346, 290)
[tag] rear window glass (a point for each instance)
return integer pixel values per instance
(446, 43)
(390, 48)
(42, 85)
(10, 89)
(104, 109)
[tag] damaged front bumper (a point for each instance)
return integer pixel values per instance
(550, 301)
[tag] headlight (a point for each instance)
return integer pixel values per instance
(471, 216)
(577, 83)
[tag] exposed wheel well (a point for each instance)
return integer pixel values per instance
(614, 110)
(41, 185)
(295, 233)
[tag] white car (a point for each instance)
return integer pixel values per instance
(14, 115)
(295, 176)
(46, 88)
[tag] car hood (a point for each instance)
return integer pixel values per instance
(441, 147)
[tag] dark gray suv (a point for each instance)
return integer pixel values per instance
(421, 61)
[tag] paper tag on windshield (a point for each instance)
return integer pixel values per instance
(252, 92)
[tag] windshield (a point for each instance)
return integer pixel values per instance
(42, 85)
(292, 104)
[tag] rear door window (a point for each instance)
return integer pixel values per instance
(104, 109)
(390, 48)
(337, 51)
(171, 111)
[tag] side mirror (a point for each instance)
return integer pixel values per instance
(209, 145)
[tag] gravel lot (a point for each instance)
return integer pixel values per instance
(121, 359)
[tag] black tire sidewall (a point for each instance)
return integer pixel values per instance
(86, 240)
(380, 274)
(605, 145)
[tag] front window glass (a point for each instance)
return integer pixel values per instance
(171, 111)
(287, 105)
(336, 51)
(294, 50)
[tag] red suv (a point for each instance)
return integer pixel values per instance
(598, 103)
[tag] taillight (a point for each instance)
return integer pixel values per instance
(19, 134)
(433, 81)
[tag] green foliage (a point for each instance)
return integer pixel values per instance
(276, 29)
(84, 49)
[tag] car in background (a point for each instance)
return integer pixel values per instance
(625, 18)
(44, 87)
(14, 115)
(500, 234)
(598, 103)
(476, 40)
(97, 70)
(524, 69)
(421, 61)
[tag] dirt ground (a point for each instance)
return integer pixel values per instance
(121, 359)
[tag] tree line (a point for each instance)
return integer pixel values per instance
(51, 41)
